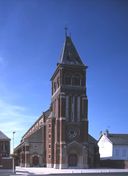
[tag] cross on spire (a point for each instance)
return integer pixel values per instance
(66, 29)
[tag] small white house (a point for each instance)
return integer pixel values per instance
(113, 146)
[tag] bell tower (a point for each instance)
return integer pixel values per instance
(70, 109)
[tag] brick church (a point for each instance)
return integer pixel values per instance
(59, 138)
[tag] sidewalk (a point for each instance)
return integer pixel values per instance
(47, 171)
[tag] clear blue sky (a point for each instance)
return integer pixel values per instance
(31, 39)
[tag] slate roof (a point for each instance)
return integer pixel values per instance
(46, 113)
(91, 139)
(3, 136)
(69, 54)
(118, 139)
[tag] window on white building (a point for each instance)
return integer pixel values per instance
(116, 152)
(123, 152)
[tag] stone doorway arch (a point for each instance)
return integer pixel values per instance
(74, 155)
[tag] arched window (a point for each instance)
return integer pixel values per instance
(58, 82)
(76, 80)
(82, 81)
(54, 86)
(67, 80)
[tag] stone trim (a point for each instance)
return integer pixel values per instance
(56, 92)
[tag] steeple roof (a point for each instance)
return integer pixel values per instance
(69, 53)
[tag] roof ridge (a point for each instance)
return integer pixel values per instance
(119, 134)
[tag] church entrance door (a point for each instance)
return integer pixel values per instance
(72, 160)
(35, 160)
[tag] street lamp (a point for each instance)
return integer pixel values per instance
(13, 159)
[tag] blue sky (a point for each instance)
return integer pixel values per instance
(31, 39)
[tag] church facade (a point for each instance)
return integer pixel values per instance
(59, 138)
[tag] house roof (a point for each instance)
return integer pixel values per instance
(118, 139)
(3, 136)
(69, 53)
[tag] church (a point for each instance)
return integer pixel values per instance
(59, 138)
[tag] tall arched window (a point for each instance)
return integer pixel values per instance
(76, 80)
(58, 82)
(67, 80)
(82, 81)
(54, 86)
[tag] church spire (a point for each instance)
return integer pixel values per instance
(69, 53)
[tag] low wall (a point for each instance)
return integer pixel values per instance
(120, 164)
(6, 163)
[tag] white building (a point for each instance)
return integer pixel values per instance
(113, 146)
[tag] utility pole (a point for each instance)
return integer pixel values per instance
(13, 159)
